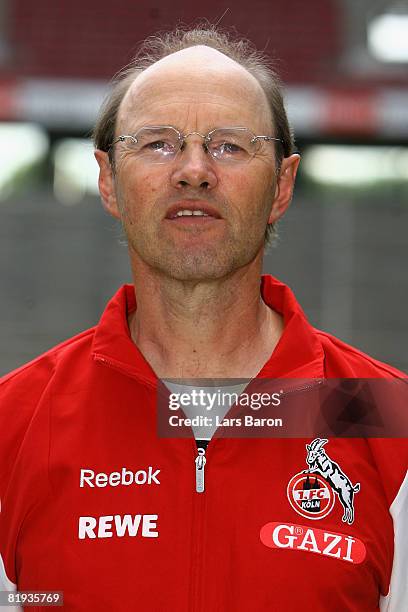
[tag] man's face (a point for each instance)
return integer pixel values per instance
(195, 90)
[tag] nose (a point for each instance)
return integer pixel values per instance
(193, 166)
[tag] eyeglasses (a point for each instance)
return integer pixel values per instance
(159, 144)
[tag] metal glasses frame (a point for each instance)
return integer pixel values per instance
(182, 137)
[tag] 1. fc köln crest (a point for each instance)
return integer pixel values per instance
(312, 492)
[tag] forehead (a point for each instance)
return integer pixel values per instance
(196, 88)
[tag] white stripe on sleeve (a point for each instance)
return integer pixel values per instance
(7, 585)
(397, 598)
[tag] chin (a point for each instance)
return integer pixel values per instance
(205, 266)
(195, 269)
(199, 263)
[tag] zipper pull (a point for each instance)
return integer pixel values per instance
(200, 462)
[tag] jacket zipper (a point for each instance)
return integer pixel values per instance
(198, 539)
(115, 365)
(200, 462)
(312, 385)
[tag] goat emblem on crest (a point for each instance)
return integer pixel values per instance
(314, 498)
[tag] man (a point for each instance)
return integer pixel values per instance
(196, 160)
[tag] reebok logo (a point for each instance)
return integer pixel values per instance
(125, 477)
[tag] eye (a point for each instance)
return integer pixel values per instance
(156, 145)
(159, 145)
(230, 144)
(229, 147)
(225, 146)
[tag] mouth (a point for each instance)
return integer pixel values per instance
(192, 211)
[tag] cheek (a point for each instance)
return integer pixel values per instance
(250, 191)
(138, 192)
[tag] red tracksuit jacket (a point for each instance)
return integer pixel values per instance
(94, 504)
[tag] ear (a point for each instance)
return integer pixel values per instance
(106, 184)
(284, 186)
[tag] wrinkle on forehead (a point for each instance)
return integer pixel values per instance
(196, 73)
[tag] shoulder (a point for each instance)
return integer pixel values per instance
(389, 454)
(22, 389)
(37, 372)
(345, 361)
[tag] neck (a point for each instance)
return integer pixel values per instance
(211, 329)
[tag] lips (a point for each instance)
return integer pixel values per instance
(193, 205)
